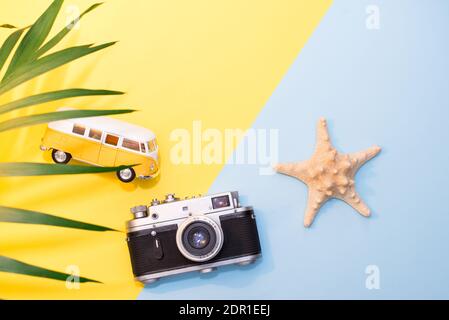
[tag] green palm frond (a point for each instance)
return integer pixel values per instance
(43, 65)
(58, 37)
(54, 96)
(8, 45)
(35, 37)
(8, 26)
(22, 169)
(55, 116)
(14, 215)
(15, 266)
(29, 60)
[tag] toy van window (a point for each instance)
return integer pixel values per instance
(112, 140)
(95, 134)
(131, 144)
(79, 129)
(142, 147)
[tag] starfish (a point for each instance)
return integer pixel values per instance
(329, 174)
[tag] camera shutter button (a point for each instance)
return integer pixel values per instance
(170, 198)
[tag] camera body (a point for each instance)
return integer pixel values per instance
(175, 236)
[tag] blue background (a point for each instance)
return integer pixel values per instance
(387, 87)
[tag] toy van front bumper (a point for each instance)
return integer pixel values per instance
(149, 177)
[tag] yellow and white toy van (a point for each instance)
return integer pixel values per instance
(106, 142)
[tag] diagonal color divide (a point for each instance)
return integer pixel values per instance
(179, 61)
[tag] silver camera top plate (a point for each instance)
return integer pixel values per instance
(171, 209)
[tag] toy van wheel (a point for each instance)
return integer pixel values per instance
(126, 175)
(60, 157)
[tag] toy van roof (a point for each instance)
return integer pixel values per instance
(106, 124)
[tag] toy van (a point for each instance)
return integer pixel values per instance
(106, 142)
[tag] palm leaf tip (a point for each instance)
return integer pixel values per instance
(59, 36)
(47, 63)
(10, 265)
(21, 169)
(55, 116)
(54, 96)
(35, 37)
(8, 26)
(8, 46)
(14, 215)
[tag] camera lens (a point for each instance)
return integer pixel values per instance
(199, 239)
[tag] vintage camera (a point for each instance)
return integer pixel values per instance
(174, 236)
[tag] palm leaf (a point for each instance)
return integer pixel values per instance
(35, 37)
(14, 215)
(55, 116)
(8, 45)
(53, 96)
(21, 169)
(47, 63)
(57, 38)
(27, 63)
(15, 266)
(8, 26)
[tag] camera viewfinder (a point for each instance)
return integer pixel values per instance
(220, 202)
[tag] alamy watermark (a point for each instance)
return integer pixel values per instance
(213, 146)
(73, 17)
(372, 281)
(372, 21)
(73, 280)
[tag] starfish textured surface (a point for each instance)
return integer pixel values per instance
(329, 174)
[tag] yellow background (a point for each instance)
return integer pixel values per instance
(178, 61)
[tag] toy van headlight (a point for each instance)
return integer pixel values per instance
(153, 166)
(152, 145)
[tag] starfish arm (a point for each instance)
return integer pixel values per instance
(297, 170)
(358, 159)
(323, 140)
(314, 202)
(354, 200)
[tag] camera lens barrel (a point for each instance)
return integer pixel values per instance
(199, 238)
